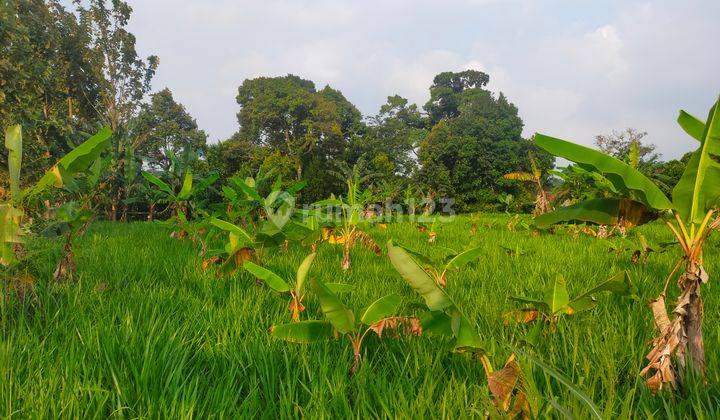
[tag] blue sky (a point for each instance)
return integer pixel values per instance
(574, 68)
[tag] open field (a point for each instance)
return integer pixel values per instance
(145, 332)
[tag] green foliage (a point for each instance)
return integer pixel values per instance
(439, 269)
(699, 188)
(696, 194)
(287, 115)
(67, 218)
(164, 128)
(163, 323)
(625, 178)
(379, 316)
(49, 81)
(557, 302)
(444, 316)
(475, 140)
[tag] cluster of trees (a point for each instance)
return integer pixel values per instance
(458, 145)
(64, 73)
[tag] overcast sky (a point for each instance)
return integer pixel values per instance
(573, 68)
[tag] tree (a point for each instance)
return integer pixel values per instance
(670, 172)
(628, 145)
(236, 155)
(310, 129)
(446, 92)
(47, 82)
(124, 81)
(164, 127)
(390, 139)
(477, 139)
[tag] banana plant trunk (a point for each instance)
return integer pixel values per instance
(690, 309)
(66, 266)
(356, 346)
(345, 265)
(680, 340)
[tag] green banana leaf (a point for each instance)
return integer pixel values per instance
(619, 284)
(205, 183)
(274, 281)
(77, 160)
(339, 315)
(602, 211)
(556, 296)
(164, 187)
(464, 332)
(698, 190)
(186, 189)
(435, 298)
(622, 175)
(302, 273)
(382, 308)
(463, 258)
(240, 233)
(691, 125)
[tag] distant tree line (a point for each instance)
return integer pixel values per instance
(64, 73)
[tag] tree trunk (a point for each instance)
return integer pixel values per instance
(151, 212)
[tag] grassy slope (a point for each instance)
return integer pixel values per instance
(170, 340)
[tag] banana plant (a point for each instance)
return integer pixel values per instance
(378, 318)
(639, 248)
(439, 269)
(296, 291)
(350, 229)
(69, 220)
(542, 203)
(62, 175)
(691, 214)
(579, 184)
(445, 318)
(239, 247)
(179, 200)
(272, 216)
(557, 302)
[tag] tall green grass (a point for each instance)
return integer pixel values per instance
(145, 332)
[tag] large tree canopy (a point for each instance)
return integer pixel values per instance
(164, 128)
(48, 84)
(446, 92)
(476, 140)
(310, 129)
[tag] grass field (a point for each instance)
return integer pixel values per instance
(145, 332)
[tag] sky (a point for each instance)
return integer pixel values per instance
(574, 69)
